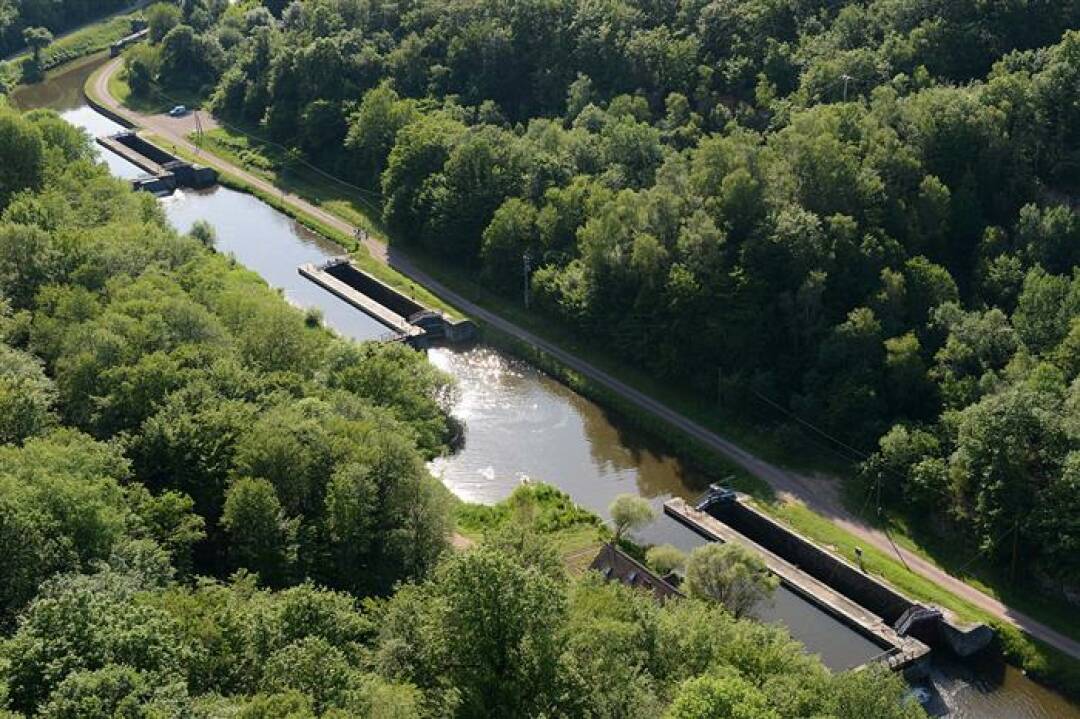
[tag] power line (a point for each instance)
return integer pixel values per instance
(292, 154)
(858, 453)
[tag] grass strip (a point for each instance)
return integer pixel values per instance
(89, 40)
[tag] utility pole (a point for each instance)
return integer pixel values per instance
(878, 491)
(846, 78)
(1016, 541)
(198, 132)
(720, 386)
(527, 262)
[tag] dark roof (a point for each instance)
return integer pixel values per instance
(618, 566)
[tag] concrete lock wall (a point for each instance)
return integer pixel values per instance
(144, 148)
(816, 562)
(385, 295)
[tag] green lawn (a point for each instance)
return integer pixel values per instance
(575, 533)
(159, 102)
(270, 161)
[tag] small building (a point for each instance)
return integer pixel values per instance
(618, 566)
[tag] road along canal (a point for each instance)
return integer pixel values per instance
(522, 424)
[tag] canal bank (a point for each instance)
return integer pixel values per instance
(1053, 654)
(513, 408)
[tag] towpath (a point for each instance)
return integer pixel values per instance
(819, 494)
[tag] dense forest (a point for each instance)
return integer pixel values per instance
(56, 16)
(857, 217)
(211, 506)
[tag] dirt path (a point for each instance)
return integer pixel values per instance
(818, 494)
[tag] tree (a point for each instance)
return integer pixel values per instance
(1009, 447)
(723, 696)
(373, 129)
(204, 232)
(161, 18)
(189, 59)
(141, 65)
(876, 693)
(262, 537)
(729, 575)
(63, 509)
(313, 667)
(498, 619)
(665, 559)
(1045, 308)
(22, 162)
(352, 520)
(37, 39)
(629, 512)
(26, 397)
(63, 141)
(1056, 522)
(86, 623)
(511, 234)
(115, 690)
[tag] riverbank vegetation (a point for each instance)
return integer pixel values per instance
(56, 16)
(34, 25)
(864, 232)
(211, 506)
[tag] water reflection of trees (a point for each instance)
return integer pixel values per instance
(612, 446)
(616, 446)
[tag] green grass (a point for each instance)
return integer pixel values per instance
(876, 562)
(89, 40)
(119, 88)
(1039, 660)
(961, 560)
(575, 533)
(160, 101)
(272, 162)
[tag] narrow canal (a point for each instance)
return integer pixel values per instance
(522, 424)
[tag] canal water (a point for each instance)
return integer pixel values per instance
(274, 245)
(521, 424)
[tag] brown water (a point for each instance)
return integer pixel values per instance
(522, 424)
(61, 92)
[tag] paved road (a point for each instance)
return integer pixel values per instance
(819, 494)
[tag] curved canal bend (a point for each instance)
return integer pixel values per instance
(522, 424)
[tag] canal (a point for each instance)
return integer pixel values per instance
(522, 424)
